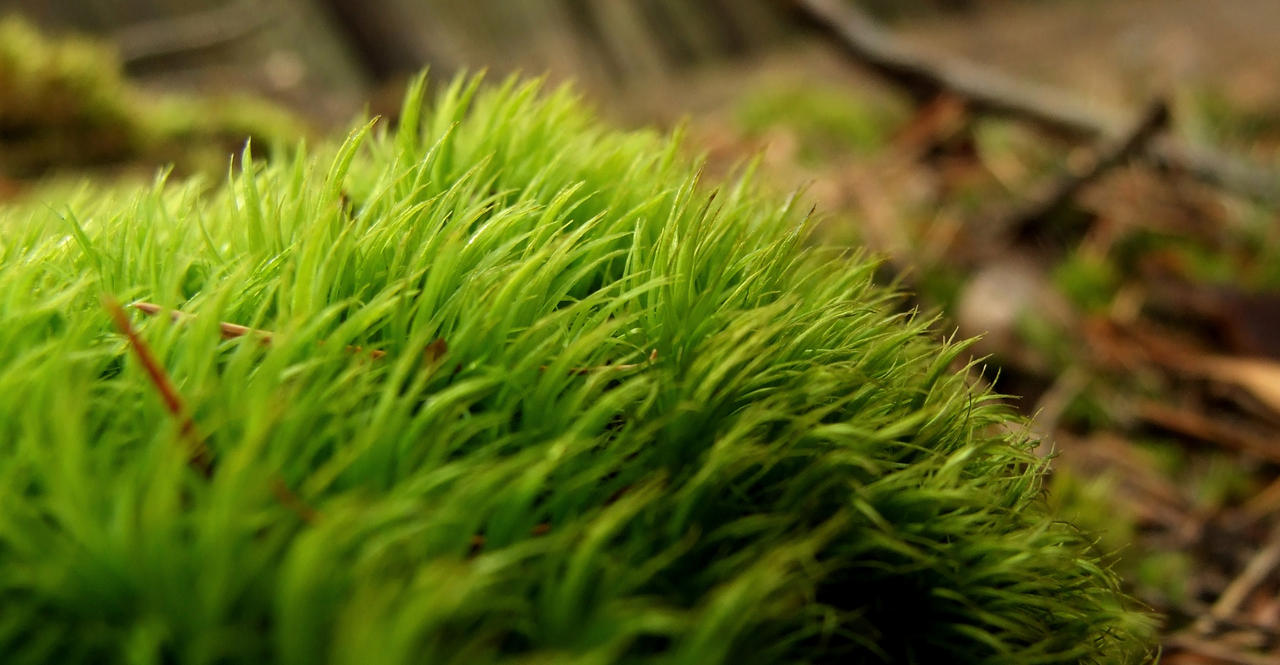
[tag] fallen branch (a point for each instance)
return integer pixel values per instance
(1107, 156)
(925, 76)
(988, 91)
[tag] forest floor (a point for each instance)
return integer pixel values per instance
(1138, 325)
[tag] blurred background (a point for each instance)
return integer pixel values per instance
(1090, 185)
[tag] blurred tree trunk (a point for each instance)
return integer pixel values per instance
(390, 38)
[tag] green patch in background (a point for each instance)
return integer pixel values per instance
(1089, 280)
(828, 122)
(65, 106)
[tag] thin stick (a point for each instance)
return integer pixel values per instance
(1255, 573)
(228, 330)
(1193, 425)
(1264, 503)
(1217, 651)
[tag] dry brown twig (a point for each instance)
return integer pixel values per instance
(1254, 382)
(1193, 424)
(1263, 504)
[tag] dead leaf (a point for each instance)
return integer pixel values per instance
(1257, 376)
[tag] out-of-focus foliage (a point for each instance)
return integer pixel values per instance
(827, 122)
(65, 105)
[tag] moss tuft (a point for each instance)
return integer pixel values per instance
(620, 419)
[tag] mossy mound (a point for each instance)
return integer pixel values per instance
(613, 417)
(65, 104)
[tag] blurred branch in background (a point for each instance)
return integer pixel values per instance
(987, 90)
(1105, 157)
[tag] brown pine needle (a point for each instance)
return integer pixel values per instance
(200, 458)
(228, 330)
(234, 330)
(432, 353)
(435, 351)
(293, 502)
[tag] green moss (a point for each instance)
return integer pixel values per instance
(1090, 502)
(1160, 577)
(1089, 280)
(1088, 411)
(1164, 577)
(827, 121)
(1212, 117)
(1219, 482)
(662, 430)
(1169, 457)
(64, 104)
